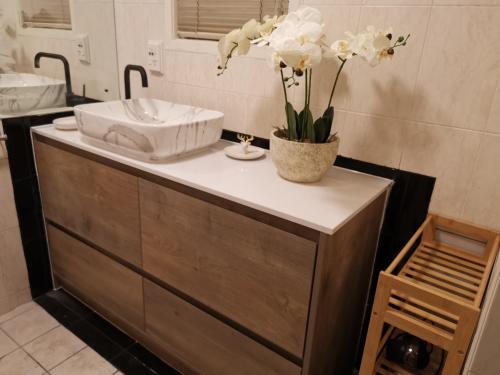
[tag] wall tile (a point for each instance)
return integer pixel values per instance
(388, 89)
(466, 2)
(372, 139)
(8, 214)
(13, 273)
(482, 202)
(460, 67)
(136, 23)
(447, 154)
(493, 124)
(264, 114)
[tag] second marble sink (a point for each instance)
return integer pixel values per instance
(23, 92)
(148, 129)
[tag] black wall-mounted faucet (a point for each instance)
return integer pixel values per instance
(137, 68)
(67, 75)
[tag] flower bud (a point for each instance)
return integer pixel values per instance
(389, 36)
(401, 39)
(390, 51)
(282, 65)
(299, 73)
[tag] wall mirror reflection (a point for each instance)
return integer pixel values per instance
(56, 53)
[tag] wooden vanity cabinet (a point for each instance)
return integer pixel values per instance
(103, 283)
(96, 202)
(252, 273)
(211, 286)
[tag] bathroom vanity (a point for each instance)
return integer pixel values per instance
(216, 265)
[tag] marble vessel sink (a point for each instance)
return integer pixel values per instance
(23, 92)
(148, 129)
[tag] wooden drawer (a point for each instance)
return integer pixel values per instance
(254, 274)
(105, 284)
(206, 344)
(95, 201)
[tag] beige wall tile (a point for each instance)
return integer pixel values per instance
(264, 114)
(8, 214)
(389, 88)
(372, 139)
(54, 347)
(447, 154)
(13, 273)
(136, 23)
(493, 124)
(29, 325)
(482, 203)
(460, 67)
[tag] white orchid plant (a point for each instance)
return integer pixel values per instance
(299, 43)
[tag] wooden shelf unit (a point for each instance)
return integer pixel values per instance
(432, 290)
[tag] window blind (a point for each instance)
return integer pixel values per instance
(51, 14)
(210, 19)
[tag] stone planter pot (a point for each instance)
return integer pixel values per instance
(302, 162)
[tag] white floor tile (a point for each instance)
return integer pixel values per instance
(19, 363)
(54, 347)
(6, 344)
(29, 325)
(85, 362)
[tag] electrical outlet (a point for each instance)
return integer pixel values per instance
(82, 48)
(155, 53)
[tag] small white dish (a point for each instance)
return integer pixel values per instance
(237, 152)
(65, 123)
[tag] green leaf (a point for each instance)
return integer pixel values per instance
(309, 126)
(325, 127)
(291, 117)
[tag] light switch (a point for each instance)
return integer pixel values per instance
(155, 53)
(82, 48)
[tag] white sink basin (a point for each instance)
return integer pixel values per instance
(22, 92)
(148, 129)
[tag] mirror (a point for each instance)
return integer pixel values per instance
(80, 30)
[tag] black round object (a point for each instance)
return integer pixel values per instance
(409, 351)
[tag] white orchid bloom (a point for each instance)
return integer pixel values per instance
(342, 48)
(371, 45)
(297, 40)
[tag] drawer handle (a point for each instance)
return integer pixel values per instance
(3, 137)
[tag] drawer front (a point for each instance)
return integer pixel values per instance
(97, 202)
(203, 342)
(105, 284)
(252, 273)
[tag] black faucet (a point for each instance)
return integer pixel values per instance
(137, 68)
(67, 76)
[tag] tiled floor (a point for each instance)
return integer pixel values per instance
(58, 335)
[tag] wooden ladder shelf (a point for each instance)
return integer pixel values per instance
(431, 290)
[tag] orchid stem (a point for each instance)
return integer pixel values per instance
(286, 102)
(336, 80)
(310, 87)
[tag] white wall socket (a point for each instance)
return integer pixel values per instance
(82, 48)
(155, 55)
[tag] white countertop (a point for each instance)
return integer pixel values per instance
(323, 206)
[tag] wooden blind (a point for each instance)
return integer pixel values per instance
(48, 14)
(210, 19)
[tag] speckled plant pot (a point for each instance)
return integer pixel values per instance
(302, 162)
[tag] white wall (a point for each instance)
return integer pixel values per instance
(434, 109)
(92, 17)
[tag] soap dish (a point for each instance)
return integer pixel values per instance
(237, 152)
(65, 123)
